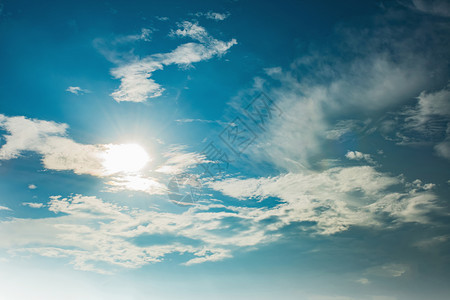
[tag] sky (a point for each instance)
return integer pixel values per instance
(225, 150)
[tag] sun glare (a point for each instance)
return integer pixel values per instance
(125, 158)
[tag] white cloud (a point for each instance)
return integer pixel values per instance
(423, 123)
(4, 208)
(429, 106)
(217, 16)
(335, 199)
(32, 187)
(136, 183)
(213, 15)
(136, 83)
(33, 205)
(145, 35)
(162, 18)
(64, 154)
(26, 134)
(49, 139)
(318, 93)
(77, 90)
(291, 140)
(217, 255)
(90, 231)
(180, 161)
(343, 127)
(356, 155)
(59, 152)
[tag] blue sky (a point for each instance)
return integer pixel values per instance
(226, 149)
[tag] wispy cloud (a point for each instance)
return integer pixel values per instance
(180, 161)
(145, 35)
(137, 183)
(136, 83)
(317, 105)
(433, 243)
(77, 90)
(93, 232)
(221, 123)
(213, 15)
(388, 270)
(327, 198)
(347, 127)
(425, 122)
(162, 18)
(4, 208)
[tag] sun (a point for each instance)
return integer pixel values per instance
(124, 158)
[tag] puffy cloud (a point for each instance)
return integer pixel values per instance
(356, 155)
(136, 84)
(119, 164)
(50, 140)
(26, 134)
(60, 153)
(32, 186)
(217, 16)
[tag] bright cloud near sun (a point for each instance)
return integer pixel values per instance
(125, 158)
